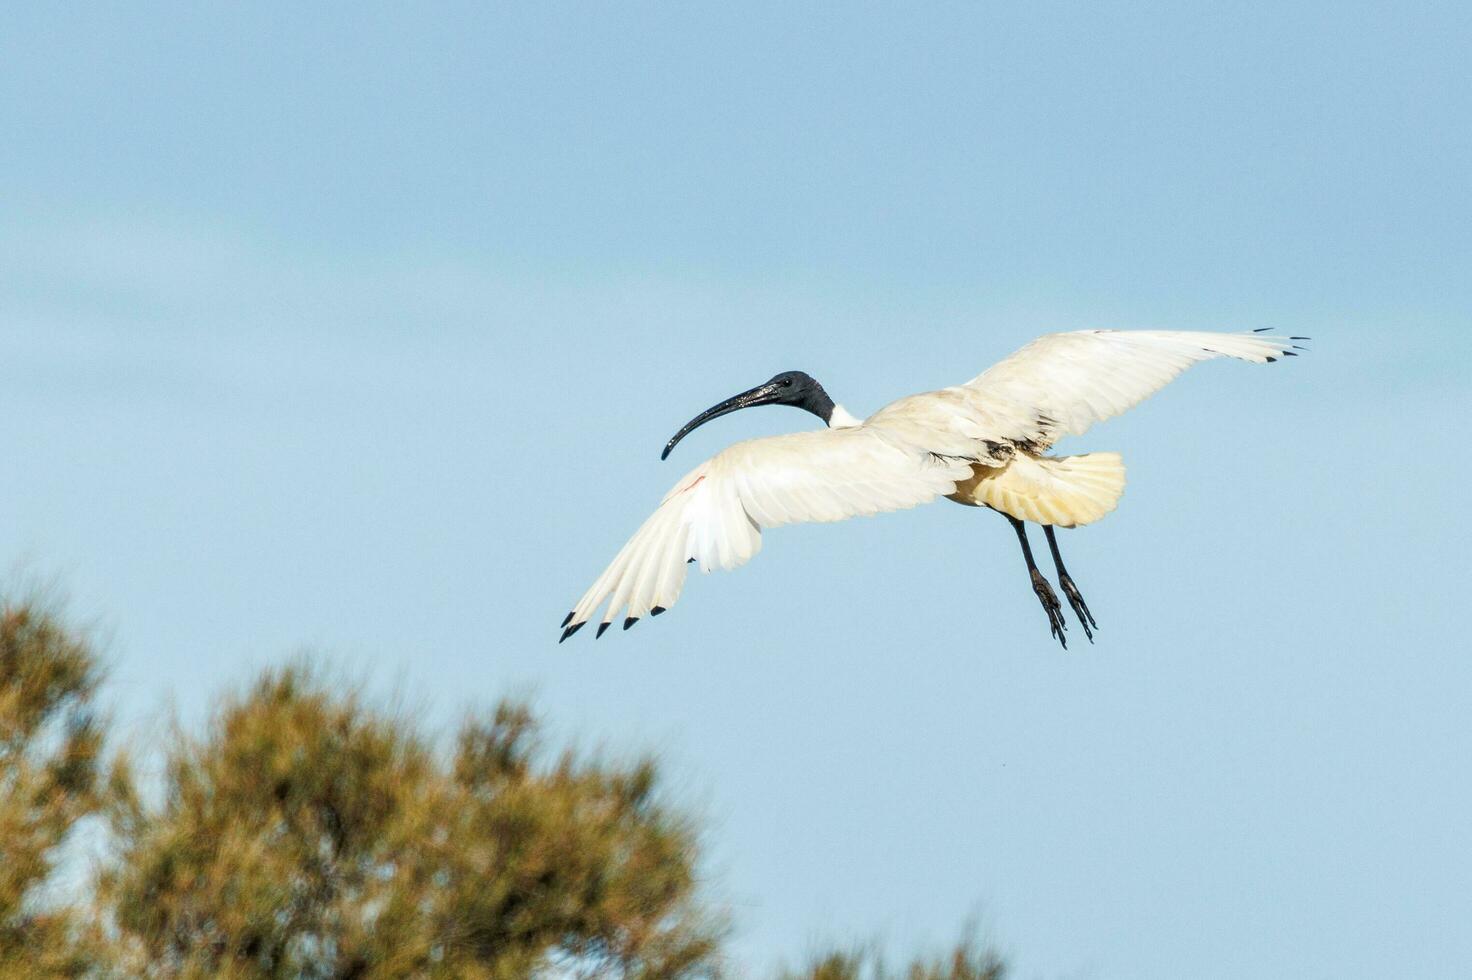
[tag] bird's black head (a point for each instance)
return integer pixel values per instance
(788, 388)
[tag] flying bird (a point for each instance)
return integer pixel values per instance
(983, 443)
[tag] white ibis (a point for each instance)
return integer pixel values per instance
(983, 443)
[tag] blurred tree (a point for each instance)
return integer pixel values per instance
(49, 743)
(307, 834)
(963, 962)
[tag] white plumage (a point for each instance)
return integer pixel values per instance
(980, 443)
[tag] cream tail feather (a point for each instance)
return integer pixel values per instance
(1064, 491)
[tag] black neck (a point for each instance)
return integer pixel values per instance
(816, 400)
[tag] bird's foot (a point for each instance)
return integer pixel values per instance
(1051, 606)
(1080, 608)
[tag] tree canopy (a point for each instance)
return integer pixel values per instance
(306, 833)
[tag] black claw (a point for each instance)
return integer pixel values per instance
(656, 610)
(568, 619)
(630, 621)
(571, 630)
(602, 628)
(1080, 608)
(1056, 623)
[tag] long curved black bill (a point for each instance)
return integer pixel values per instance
(763, 394)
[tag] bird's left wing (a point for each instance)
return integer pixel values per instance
(1062, 383)
(716, 513)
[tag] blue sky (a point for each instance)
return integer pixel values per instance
(359, 330)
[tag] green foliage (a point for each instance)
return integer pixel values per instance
(306, 834)
(964, 962)
(49, 745)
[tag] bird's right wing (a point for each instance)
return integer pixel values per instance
(1065, 382)
(716, 513)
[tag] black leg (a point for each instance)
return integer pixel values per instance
(1075, 599)
(1040, 586)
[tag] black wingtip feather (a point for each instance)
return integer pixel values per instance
(656, 610)
(567, 619)
(1271, 360)
(571, 630)
(1261, 329)
(630, 621)
(602, 628)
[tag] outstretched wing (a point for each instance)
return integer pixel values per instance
(716, 513)
(1063, 383)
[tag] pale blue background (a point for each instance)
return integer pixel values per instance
(360, 330)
